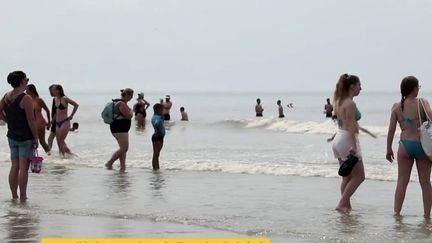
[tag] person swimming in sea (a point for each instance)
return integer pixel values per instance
(258, 108)
(184, 114)
(328, 109)
(280, 109)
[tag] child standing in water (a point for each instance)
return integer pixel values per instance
(157, 122)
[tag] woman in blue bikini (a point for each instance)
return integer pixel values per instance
(62, 119)
(406, 113)
(346, 141)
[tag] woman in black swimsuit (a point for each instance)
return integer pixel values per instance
(53, 112)
(120, 128)
(62, 119)
(140, 110)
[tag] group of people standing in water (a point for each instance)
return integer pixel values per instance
(408, 114)
(122, 119)
(259, 110)
(22, 110)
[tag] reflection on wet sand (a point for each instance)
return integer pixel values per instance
(157, 183)
(22, 223)
(349, 223)
(120, 182)
(421, 230)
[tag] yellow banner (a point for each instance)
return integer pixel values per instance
(156, 240)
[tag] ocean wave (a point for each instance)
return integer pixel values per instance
(297, 127)
(326, 167)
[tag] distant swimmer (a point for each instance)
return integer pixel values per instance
(41, 123)
(184, 114)
(328, 109)
(280, 109)
(290, 105)
(167, 107)
(140, 109)
(258, 108)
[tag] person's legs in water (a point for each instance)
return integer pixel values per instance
(61, 134)
(345, 180)
(41, 135)
(13, 178)
(140, 120)
(157, 147)
(423, 165)
(18, 175)
(23, 177)
(357, 176)
(405, 163)
(123, 142)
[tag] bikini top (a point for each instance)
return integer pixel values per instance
(407, 120)
(61, 106)
(357, 117)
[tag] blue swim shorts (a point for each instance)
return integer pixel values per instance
(20, 149)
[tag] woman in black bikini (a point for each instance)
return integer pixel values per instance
(140, 110)
(53, 112)
(62, 120)
(120, 128)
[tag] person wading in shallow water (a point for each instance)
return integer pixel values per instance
(16, 108)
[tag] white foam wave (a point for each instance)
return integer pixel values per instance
(299, 127)
(323, 168)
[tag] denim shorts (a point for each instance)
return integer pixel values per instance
(20, 149)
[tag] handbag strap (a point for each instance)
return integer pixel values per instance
(427, 116)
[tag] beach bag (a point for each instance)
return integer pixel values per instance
(348, 165)
(36, 162)
(425, 131)
(108, 112)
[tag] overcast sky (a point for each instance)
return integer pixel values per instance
(218, 45)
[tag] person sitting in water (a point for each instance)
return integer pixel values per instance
(328, 109)
(74, 127)
(184, 115)
(280, 109)
(258, 108)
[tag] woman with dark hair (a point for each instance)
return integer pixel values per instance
(408, 113)
(345, 142)
(53, 112)
(22, 133)
(120, 128)
(62, 118)
(258, 108)
(41, 123)
(140, 109)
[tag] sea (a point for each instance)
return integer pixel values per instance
(224, 172)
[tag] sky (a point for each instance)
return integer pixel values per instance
(218, 45)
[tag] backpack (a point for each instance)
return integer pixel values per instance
(108, 112)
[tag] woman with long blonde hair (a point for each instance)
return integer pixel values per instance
(346, 142)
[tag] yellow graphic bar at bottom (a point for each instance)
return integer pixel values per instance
(156, 240)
